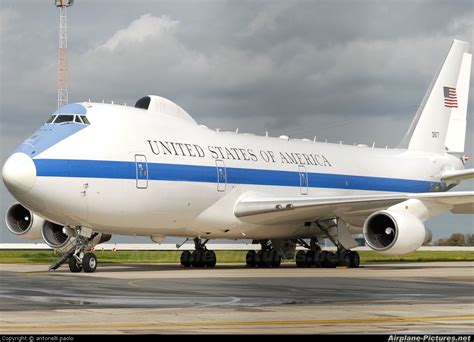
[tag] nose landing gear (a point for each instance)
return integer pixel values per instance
(76, 258)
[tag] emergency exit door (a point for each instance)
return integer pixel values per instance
(141, 166)
(221, 175)
(303, 180)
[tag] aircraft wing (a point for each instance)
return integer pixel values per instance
(457, 175)
(260, 209)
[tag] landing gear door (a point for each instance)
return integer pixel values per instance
(141, 166)
(303, 180)
(221, 175)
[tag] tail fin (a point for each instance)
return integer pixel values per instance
(446, 95)
(456, 136)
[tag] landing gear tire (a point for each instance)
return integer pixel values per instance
(251, 259)
(261, 259)
(344, 259)
(185, 259)
(268, 258)
(327, 259)
(89, 263)
(313, 258)
(275, 258)
(301, 259)
(209, 259)
(196, 259)
(354, 259)
(74, 267)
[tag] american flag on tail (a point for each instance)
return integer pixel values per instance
(450, 97)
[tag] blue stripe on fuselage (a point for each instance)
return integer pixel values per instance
(208, 174)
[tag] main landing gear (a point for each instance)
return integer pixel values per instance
(200, 257)
(77, 258)
(316, 257)
(266, 257)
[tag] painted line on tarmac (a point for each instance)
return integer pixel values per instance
(368, 320)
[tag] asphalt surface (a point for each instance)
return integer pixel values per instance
(127, 298)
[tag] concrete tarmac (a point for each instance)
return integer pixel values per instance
(383, 298)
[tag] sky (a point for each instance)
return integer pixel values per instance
(351, 71)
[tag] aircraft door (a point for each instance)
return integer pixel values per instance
(221, 175)
(141, 166)
(303, 180)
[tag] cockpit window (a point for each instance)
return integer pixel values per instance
(51, 119)
(64, 118)
(84, 119)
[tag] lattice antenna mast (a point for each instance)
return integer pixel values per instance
(62, 60)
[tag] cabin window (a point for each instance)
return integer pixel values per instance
(78, 119)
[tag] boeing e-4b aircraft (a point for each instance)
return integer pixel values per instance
(97, 169)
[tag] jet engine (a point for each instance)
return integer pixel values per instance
(55, 237)
(394, 233)
(21, 221)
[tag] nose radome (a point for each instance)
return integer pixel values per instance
(19, 173)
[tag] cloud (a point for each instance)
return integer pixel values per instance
(145, 28)
(265, 19)
(7, 17)
(149, 52)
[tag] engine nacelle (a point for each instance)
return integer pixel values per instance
(55, 237)
(23, 222)
(395, 233)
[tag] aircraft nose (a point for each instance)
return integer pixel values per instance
(19, 173)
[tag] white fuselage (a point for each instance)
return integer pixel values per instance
(136, 172)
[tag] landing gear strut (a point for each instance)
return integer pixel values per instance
(200, 257)
(266, 257)
(76, 258)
